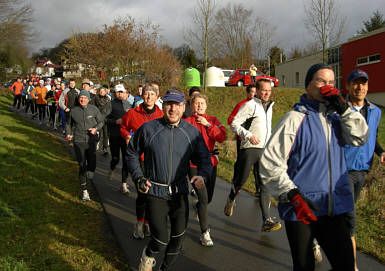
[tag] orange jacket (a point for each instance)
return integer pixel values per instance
(39, 93)
(17, 87)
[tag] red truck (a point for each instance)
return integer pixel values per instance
(241, 77)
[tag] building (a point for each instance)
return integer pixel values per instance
(365, 52)
(291, 74)
(45, 68)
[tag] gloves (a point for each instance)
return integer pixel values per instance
(301, 206)
(141, 184)
(333, 96)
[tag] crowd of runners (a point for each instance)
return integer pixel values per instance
(314, 162)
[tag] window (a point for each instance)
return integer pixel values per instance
(368, 59)
(297, 78)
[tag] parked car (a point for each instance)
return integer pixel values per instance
(226, 75)
(241, 77)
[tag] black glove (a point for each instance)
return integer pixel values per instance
(141, 184)
(334, 98)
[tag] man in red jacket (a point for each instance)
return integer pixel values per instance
(131, 122)
(16, 89)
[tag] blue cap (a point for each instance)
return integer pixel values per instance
(173, 95)
(84, 93)
(354, 75)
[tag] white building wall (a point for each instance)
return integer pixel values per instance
(292, 73)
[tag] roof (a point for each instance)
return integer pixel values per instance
(366, 35)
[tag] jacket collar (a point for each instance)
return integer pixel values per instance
(367, 102)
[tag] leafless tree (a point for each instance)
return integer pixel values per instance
(16, 34)
(127, 46)
(241, 35)
(324, 22)
(200, 34)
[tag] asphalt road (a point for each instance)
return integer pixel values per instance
(239, 243)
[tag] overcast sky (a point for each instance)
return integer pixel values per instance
(56, 19)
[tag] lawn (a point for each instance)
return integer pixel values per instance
(43, 224)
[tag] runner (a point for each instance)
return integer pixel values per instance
(16, 90)
(69, 99)
(87, 121)
(103, 103)
(115, 110)
(61, 111)
(250, 93)
(39, 93)
(212, 131)
(253, 124)
(304, 167)
(168, 145)
(131, 122)
(29, 100)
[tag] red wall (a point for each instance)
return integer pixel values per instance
(364, 47)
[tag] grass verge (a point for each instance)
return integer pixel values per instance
(43, 224)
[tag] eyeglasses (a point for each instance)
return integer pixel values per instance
(322, 82)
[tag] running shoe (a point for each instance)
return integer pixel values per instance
(269, 225)
(124, 189)
(85, 196)
(138, 230)
(146, 229)
(229, 207)
(146, 262)
(317, 251)
(206, 239)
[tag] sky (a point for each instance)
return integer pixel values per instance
(55, 20)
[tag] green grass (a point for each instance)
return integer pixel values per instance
(43, 224)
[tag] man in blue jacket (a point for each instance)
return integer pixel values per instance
(304, 167)
(359, 159)
(168, 145)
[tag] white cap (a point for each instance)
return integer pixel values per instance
(120, 87)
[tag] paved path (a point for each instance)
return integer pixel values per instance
(238, 242)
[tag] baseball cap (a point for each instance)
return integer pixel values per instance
(173, 95)
(119, 88)
(354, 75)
(84, 93)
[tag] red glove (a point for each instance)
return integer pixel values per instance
(304, 214)
(333, 96)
